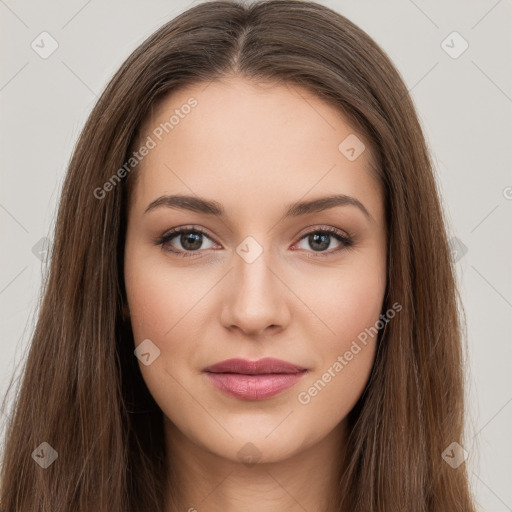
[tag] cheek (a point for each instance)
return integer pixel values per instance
(351, 309)
(344, 363)
(158, 298)
(161, 310)
(149, 312)
(346, 305)
(166, 307)
(357, 308)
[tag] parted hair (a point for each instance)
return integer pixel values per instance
(81, 389)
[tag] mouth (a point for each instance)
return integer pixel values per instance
(254, 380)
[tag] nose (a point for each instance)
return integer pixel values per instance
(256, 299)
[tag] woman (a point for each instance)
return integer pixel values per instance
(293, 345)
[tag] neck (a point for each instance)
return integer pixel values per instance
(202, 480)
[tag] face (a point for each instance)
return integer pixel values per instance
(250, 276)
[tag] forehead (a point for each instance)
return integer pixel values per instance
(255, 139)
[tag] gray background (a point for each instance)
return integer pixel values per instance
(464, 105)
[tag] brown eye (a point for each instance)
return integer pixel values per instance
(184, 241)
(320, 240)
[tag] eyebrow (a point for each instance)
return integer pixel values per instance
(210, 207)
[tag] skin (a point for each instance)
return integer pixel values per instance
(254, 148)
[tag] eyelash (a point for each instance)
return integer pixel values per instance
(345, 240)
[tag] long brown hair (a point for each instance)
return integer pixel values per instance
(82, 390)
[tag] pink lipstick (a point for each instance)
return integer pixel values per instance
(254, 380)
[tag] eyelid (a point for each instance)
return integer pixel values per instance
(346, 239)
(174, 232)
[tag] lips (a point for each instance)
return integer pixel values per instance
(246, 367)
(254, 380)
